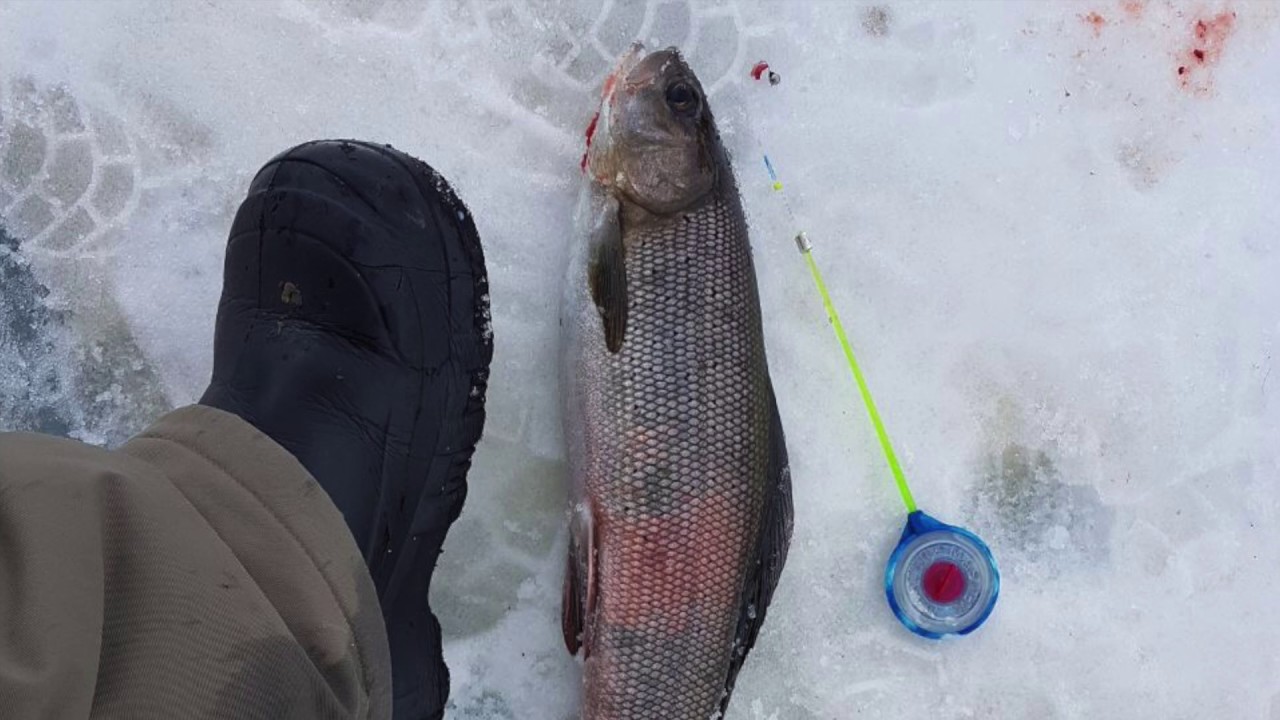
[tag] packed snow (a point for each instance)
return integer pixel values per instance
(1050, 227)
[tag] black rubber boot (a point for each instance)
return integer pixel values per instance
(354, 331)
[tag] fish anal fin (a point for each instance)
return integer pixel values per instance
(770, 554)
(571, 608)
(578, 603)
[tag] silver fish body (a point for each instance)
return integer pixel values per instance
(681, 509)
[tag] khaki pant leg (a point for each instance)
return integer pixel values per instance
(198, 572)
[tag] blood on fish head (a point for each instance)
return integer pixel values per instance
(595, 157)
(653, 142)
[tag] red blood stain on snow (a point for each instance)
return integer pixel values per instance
(1209, 38)
(1096, 21)
(1194, 58)
(1134, 8)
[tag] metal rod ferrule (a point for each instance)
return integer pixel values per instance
(802, 243)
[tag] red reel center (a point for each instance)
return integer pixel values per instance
(943, 582)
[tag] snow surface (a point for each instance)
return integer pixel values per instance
(1057, 256)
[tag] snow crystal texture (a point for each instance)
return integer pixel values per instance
(1051, 229)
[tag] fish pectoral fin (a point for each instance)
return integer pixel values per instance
(578, 602)
(608, 272)
(770, 554)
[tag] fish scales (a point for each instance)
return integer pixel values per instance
(687, 402)
(681, 510)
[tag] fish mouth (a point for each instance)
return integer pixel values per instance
(598, 132)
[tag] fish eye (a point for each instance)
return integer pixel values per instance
(682, 98)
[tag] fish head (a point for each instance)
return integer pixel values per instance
(654, 142)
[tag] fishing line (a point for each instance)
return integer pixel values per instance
(940, 579)
(806, 249)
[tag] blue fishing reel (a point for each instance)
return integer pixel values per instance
(941, 579)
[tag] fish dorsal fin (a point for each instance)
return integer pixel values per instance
(770, 553)
(579, 599)
(607, 271)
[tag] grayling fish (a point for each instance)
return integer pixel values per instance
(681, 509)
